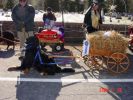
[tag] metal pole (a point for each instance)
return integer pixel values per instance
(1, 30)
(126, 12)
(62, 13)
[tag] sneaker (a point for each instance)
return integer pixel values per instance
(15, 69)
(26, 71)
(21, 58)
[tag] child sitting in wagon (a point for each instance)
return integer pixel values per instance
(49, 19)
(49, 22)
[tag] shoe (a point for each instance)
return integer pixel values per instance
(26, 71)
(21, 58)
(15, 69)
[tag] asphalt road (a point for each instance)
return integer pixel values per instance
(33, 86)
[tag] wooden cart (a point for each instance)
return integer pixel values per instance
(116, 63)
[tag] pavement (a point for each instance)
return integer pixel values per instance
(81, 85)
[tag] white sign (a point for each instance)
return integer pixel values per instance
(86, 47)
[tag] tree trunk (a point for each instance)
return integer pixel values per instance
(86, 4)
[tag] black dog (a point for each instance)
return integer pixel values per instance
(49, 67)
(36, 58)
(8, 38)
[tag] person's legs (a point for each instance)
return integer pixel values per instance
(22, 38)
(29, 34)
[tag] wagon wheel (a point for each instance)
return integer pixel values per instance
(118, 63)
(85, 58)
(95, 62)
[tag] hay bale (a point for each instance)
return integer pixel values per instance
(114, 42)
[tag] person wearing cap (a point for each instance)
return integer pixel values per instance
(49, 17)
(23, 16)
(92, 18)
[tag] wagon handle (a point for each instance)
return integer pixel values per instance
(57, 56)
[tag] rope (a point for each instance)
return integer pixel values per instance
(9, 40)
(57, 56)
(38, 56)
(61, 52)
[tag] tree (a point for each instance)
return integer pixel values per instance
(86, 4)
(120, 5)
(1, 6)
(9, 4)
(129, 5)
(54, 4)
(72, 5)
(105, 4)
(66, 5)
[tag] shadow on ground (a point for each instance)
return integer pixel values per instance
(7, 53)
(44, 90)
(119, 90)
(51, 91)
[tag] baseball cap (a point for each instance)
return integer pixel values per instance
(49, 9)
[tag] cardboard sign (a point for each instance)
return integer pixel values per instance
(86, 47)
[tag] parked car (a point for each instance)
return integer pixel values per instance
(1, 10)
(125, 14)
(118, 16)
(107, 14)
(131, 18)
(114, 14)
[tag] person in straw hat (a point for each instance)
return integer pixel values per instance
(92, 18)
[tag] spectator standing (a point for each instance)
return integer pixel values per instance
(23, 16)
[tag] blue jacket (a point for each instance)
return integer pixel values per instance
(27, 21)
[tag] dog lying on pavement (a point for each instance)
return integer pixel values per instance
(48, 67)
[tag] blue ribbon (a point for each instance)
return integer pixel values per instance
(38, 56)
